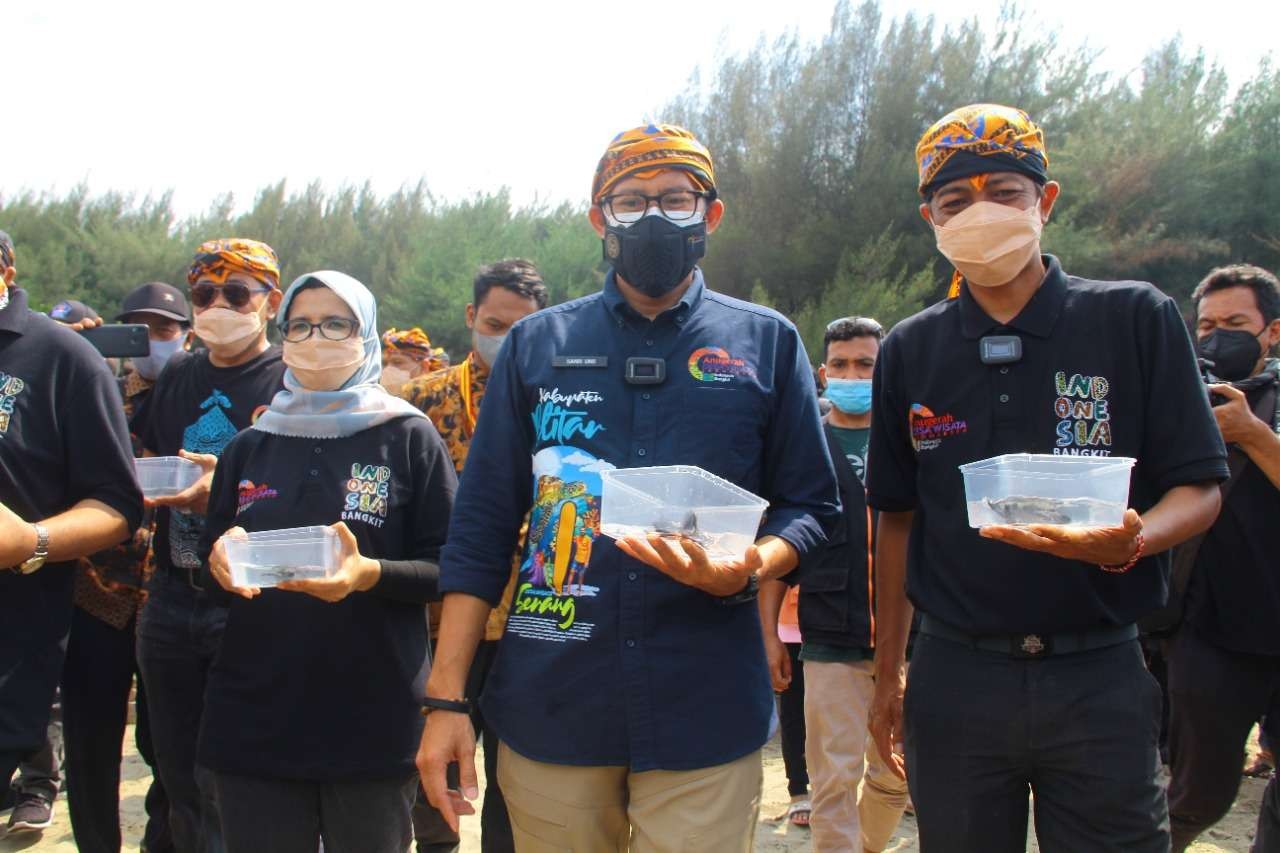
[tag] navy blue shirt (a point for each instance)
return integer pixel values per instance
(1107, 370)
(606, 661)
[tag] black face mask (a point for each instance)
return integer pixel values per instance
(655, 254)
(1233, 353)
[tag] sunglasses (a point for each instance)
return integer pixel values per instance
(236, 294)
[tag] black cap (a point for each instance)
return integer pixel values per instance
(72, 311)
(158, 298)
(6, 251)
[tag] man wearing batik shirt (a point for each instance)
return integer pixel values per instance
(502, 294)
(101, 655)
(1026, 674)
(406, 356)
(200, 402)
(631, 695)
(67, 489)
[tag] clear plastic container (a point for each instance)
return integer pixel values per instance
(165, 476)
(681, 500)
(1037, 488)
(265, 558)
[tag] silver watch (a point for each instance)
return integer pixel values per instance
(41, 553)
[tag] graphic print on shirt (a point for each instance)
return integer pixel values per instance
(563, 526)
(714, 364)
(10, 388)
(248, 493)
(1084, 415)
(928, 430)
(368, 491)
(561, 417)
(209, 434)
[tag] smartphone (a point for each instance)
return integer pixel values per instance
(120, 341)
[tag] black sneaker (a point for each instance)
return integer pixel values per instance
(33, 813)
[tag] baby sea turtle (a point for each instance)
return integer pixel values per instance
(1018, 509)
(676, 524)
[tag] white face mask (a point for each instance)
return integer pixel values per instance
(224, 329)
(324, 365)
(487, 346)
(150, 365)
(990, 243)
(394, 378)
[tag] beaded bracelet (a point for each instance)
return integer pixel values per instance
(1133, 561)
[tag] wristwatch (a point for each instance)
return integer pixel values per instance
(41, 553)
(747, 593)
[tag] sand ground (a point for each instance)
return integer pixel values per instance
(1232, 835)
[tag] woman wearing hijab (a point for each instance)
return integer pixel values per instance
(312, 712)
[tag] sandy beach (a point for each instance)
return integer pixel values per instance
(1232, 835)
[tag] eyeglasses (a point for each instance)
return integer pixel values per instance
(331, 328)
(675, 204)
(236, 293)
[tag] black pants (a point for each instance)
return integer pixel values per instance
(432, 834)
(96, 679)
(260, 815)
(1268, 838)
(40, 772)
(1079, 731)
(1217, 696)
(791, 722)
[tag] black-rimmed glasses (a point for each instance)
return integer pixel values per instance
(331, 329)
(674, 204)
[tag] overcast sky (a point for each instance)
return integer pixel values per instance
(214, 97)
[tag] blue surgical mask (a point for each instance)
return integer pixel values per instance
(851, 396)
(150, 365)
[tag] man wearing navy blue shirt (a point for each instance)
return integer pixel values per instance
(630, 691)
(1026, 675)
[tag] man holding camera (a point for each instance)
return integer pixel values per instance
(1224, 662)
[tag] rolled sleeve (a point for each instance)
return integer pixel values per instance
(96, 444)
(496, 488)
(799, 481)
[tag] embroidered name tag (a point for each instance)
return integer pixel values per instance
(580, 361)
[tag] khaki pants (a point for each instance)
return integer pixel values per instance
(559, 807)
(857, 801)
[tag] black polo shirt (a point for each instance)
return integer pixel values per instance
(1107, 370)
(305, 689)
(199, 408)
(63, 439)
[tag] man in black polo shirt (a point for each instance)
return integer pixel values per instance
(67, 489)
(199, 403)
(1027, 675)
(1224, 663)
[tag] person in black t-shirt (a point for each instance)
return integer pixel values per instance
(67, 489)
(1224, 663)
(199, 403)
(312, 715)
(1026, 674)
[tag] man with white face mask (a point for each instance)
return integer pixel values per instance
(1026, 675)
(503, 293)
(199, 403)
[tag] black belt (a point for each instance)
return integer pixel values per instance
(1032, 646)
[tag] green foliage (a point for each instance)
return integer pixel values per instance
(1165, 173)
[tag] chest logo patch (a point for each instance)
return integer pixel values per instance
(1083, 410)
(10, 388)
(249, 493)
(714, 364)
(368, 494)
(928, 429)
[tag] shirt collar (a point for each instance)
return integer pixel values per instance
(623, 312)
(1036, 318)
(15, 316)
